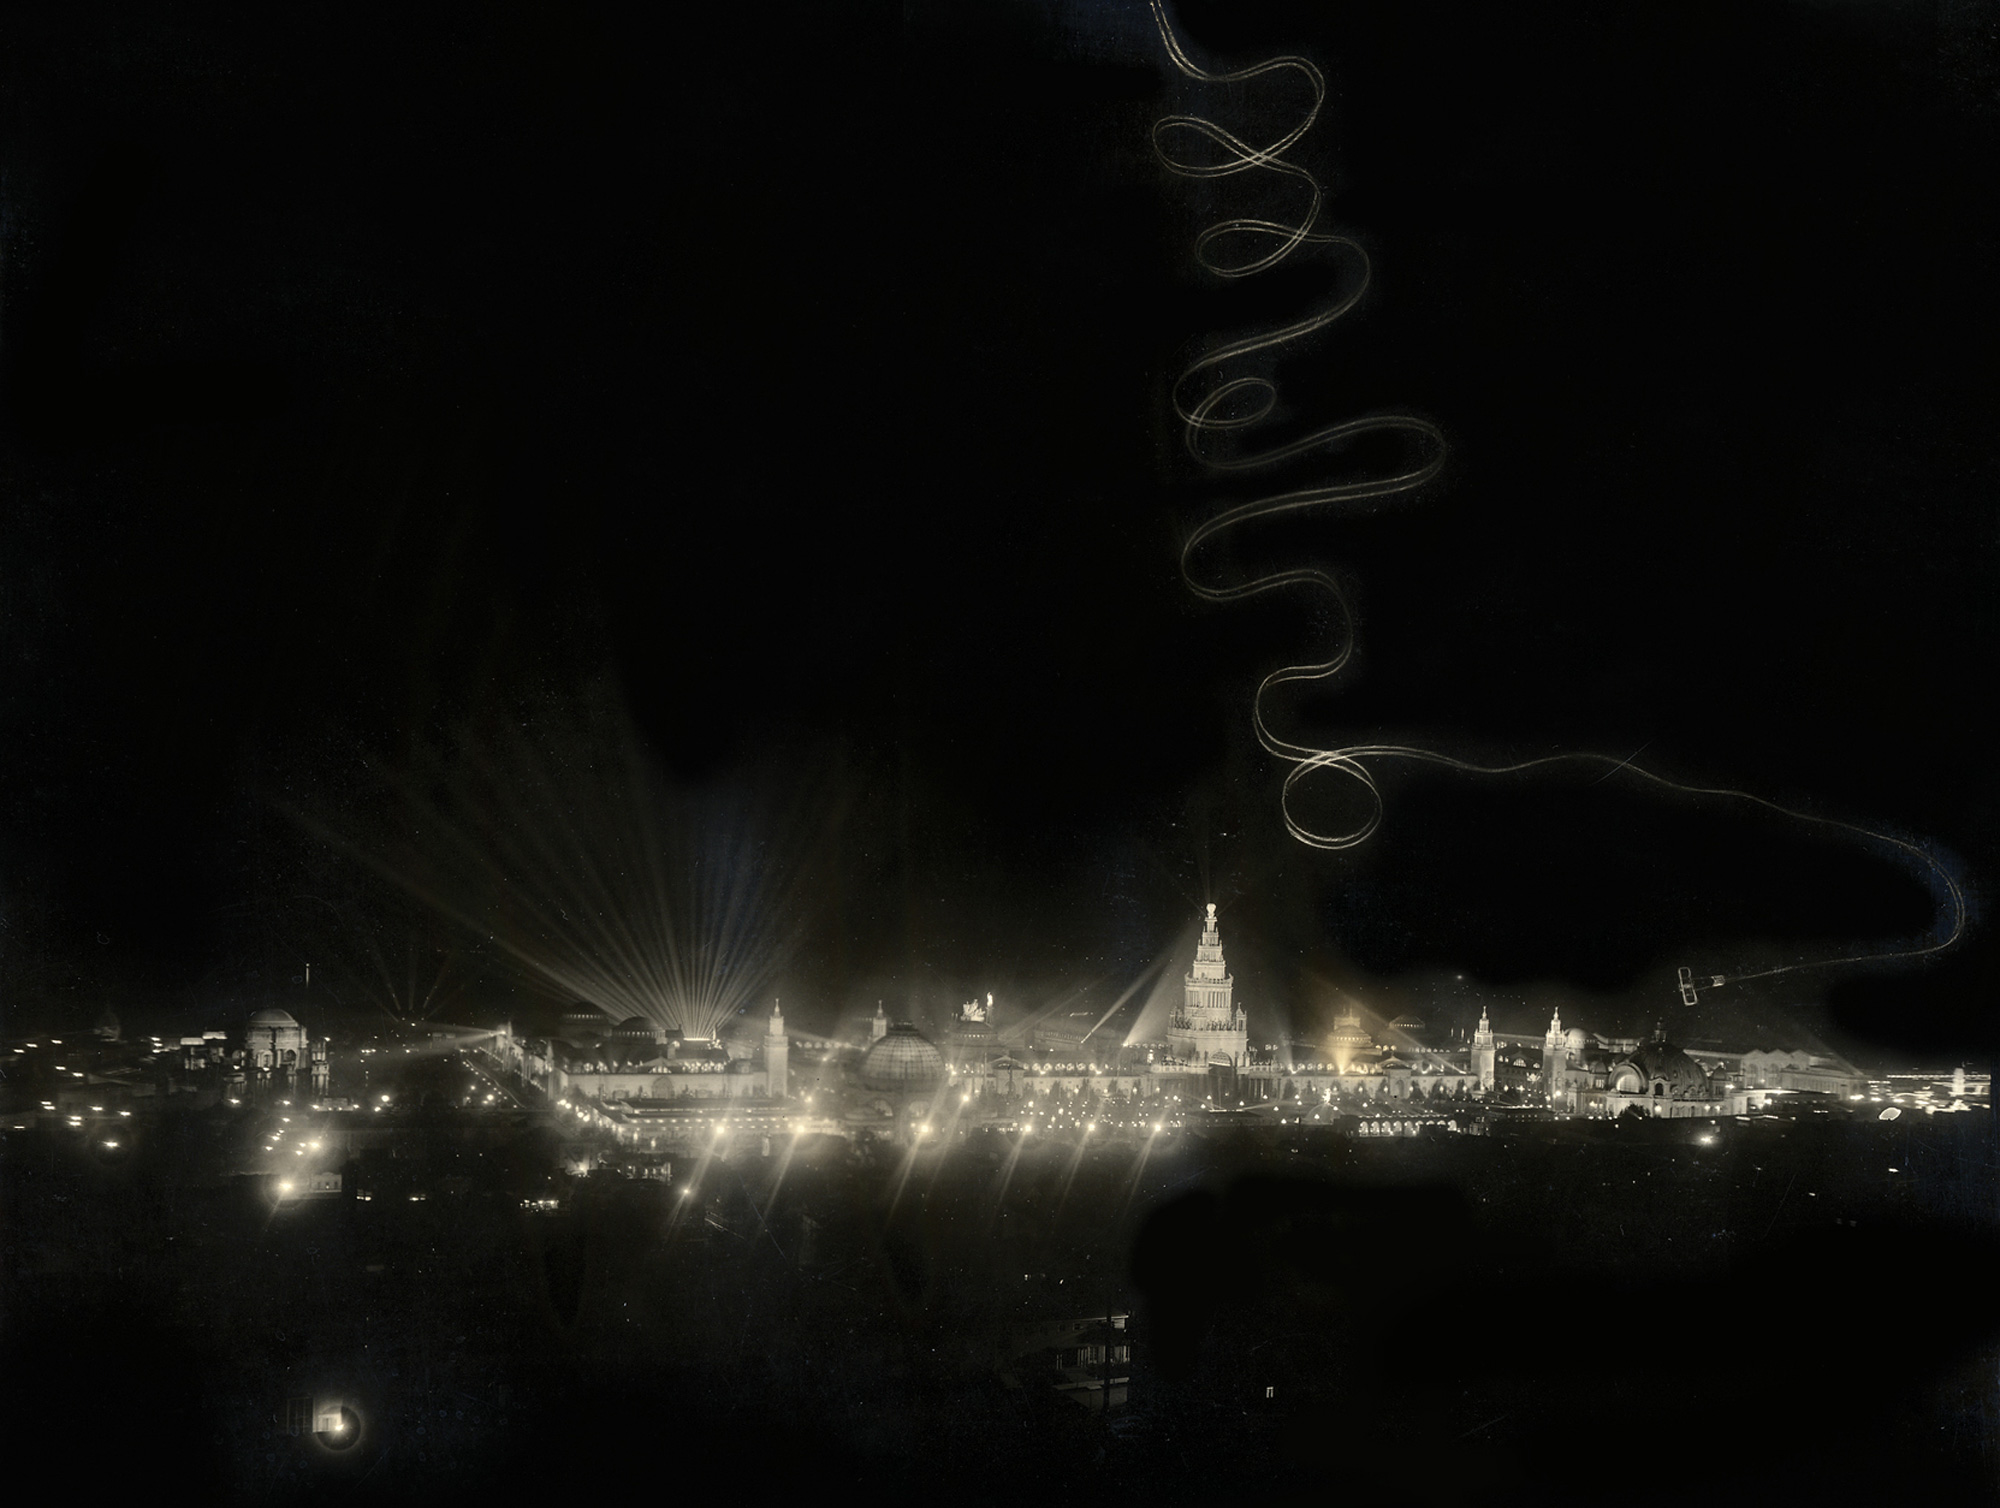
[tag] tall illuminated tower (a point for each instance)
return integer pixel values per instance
(1483, 1056)
(777, 1049)
(1555, 1060)
(1207, 1028)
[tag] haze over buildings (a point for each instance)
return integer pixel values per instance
(628, 868)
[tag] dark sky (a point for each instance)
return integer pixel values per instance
(374, 369)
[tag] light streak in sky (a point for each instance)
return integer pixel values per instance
(1150, 1024)
(1231, 403)
(1020, 1029)
(1129, 991)
(566, 848)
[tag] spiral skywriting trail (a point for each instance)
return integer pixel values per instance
(1213, 404)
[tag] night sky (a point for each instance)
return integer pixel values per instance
(799, 379)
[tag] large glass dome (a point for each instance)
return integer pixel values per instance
(1659, 1060)
(903, 1061)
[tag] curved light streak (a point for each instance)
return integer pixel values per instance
(1232, 403)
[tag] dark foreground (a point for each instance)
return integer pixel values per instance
(1576, 1313)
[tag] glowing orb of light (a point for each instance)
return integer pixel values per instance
(341, 1429)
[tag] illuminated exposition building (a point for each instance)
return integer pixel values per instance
(1397, 1066)
(276, 1053)
(637, 1077)
(972, 1037)
(1209, 1028)
(635, 1060)
(1594, 1076)
(1654, 1077)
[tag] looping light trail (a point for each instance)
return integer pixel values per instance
(1234, 403)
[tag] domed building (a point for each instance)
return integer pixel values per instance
(638, 1063)
(1658, 1070)
(274, 1039)
(902, 1061)
(1410, 1026)
(276, 1051)
(1349, 1041)
(635, 1040)
(581, 1022)
(1655, 1078)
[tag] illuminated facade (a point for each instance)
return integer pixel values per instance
(1350, 1041)
(972, 1038)
(633, 1060)
(1209, 1028)
(1484, 1053)
(1654, 1079)
(777, 1054)
(275, 1041)
(1820, 1073)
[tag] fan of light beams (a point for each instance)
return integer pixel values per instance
(565, 846)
